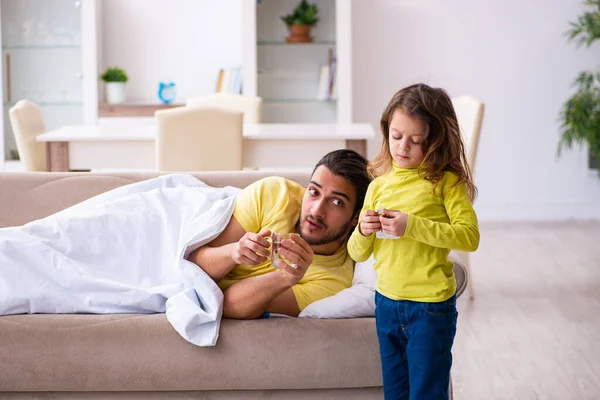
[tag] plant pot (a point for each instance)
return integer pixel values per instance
(115, 92)
(299, 34)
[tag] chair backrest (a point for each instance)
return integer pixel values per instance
(250, 106)
(469, 112)
(199, 138)
(27, 122)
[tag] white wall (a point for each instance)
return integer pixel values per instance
(186, 41)
(511, 54)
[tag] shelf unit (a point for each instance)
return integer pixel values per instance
(286, 75)
(132, 109)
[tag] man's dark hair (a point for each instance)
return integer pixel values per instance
(351, 166)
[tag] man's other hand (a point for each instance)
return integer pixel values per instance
(252, 248)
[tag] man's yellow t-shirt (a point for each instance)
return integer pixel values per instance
(274, 203)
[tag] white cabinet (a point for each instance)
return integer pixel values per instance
(46, 47)
(286, 75)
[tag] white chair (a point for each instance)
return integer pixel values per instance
(250, 106)
(469, 112)
(27, 122)
(199, 138)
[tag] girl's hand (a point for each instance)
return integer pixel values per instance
(394, 222)
(369, 223)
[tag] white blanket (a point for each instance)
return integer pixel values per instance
(122, 252)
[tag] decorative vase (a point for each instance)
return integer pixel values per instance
(115, 92)
(299, 34)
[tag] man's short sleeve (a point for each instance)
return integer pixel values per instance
(309, 292)
(247, 207)
(327, 276)
(268, 203)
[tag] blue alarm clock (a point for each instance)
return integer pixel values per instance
(166, 92)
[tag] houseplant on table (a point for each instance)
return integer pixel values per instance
(300, 22)
(115, 79)
(580, 114)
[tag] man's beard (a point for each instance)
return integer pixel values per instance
(332, 237)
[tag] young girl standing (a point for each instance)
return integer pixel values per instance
(424, 193)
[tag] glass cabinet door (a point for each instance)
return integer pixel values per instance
(42, 61)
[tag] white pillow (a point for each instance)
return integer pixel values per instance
(353, 302)
(364, 273)
(359, 299)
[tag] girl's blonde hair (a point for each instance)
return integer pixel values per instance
(443, 148)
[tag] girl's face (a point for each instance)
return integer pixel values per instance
(406, 139)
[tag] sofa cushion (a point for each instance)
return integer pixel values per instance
(130, 352)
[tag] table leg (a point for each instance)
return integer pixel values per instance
(57, 156)
(359, 146)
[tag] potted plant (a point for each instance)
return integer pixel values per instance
(580, 114)
(115, 79)
(300, 21)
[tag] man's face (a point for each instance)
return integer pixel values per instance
(327, 208)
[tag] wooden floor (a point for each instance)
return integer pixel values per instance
(533, 330)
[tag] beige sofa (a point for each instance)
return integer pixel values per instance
(141, 356)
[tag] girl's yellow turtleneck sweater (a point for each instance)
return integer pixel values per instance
(416, 267)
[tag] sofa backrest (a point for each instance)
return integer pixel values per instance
(25, 197)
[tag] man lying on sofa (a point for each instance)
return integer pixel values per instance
(321, 217)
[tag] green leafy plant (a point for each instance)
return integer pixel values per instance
(114, 74)
(304, 14)
(580, 114)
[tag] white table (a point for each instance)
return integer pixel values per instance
(265, 145)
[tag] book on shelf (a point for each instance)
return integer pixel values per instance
(332, 76)
(326, 89)
(333, 91)
(220, 80)
(323, 88)
(229, 80)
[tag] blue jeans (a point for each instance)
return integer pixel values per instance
(415, 343)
